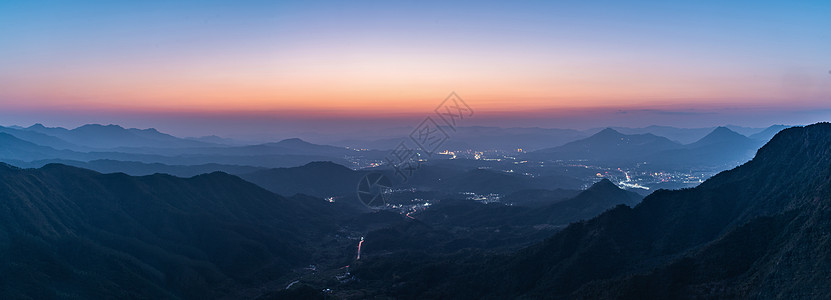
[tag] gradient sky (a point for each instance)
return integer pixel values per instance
(188, 63)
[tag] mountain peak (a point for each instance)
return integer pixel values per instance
(608, 132)
(293, 141)
(720, 135)
(603, 185)
(723, 130)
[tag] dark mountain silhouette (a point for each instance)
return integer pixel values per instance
(598, 198)
(70, 232)
(609, 145)
(760, 230)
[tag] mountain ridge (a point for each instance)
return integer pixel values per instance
(721, 239)
(79, 232)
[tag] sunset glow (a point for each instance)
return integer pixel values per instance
(357, 59)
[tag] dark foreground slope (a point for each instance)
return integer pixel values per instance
(72, 233)
(761, 230)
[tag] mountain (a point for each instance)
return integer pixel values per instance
(768, 133)
(760, 230)
(609, 145)
(746, 131)
(285, 149)
(598, 198)
(138, 168)
(114, 136)
(40, 138)
(158, 148)
(76, 233)
(13, 148)
(511, 139)
(721, 136)
(680, 135)
(720, 148)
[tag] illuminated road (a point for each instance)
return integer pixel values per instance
(359, 248)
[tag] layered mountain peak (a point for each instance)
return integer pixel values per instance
(607, 194)
(723, 130)
(603, 185)
(608, 132)
(293, 142)
(722, 135)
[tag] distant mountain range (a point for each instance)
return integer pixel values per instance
(609, 145)
(757, 231)
(158, 151)
(24, 145)
(114, 136)
(721, 147)
(534, 138)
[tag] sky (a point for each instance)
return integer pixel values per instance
(254, 67)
